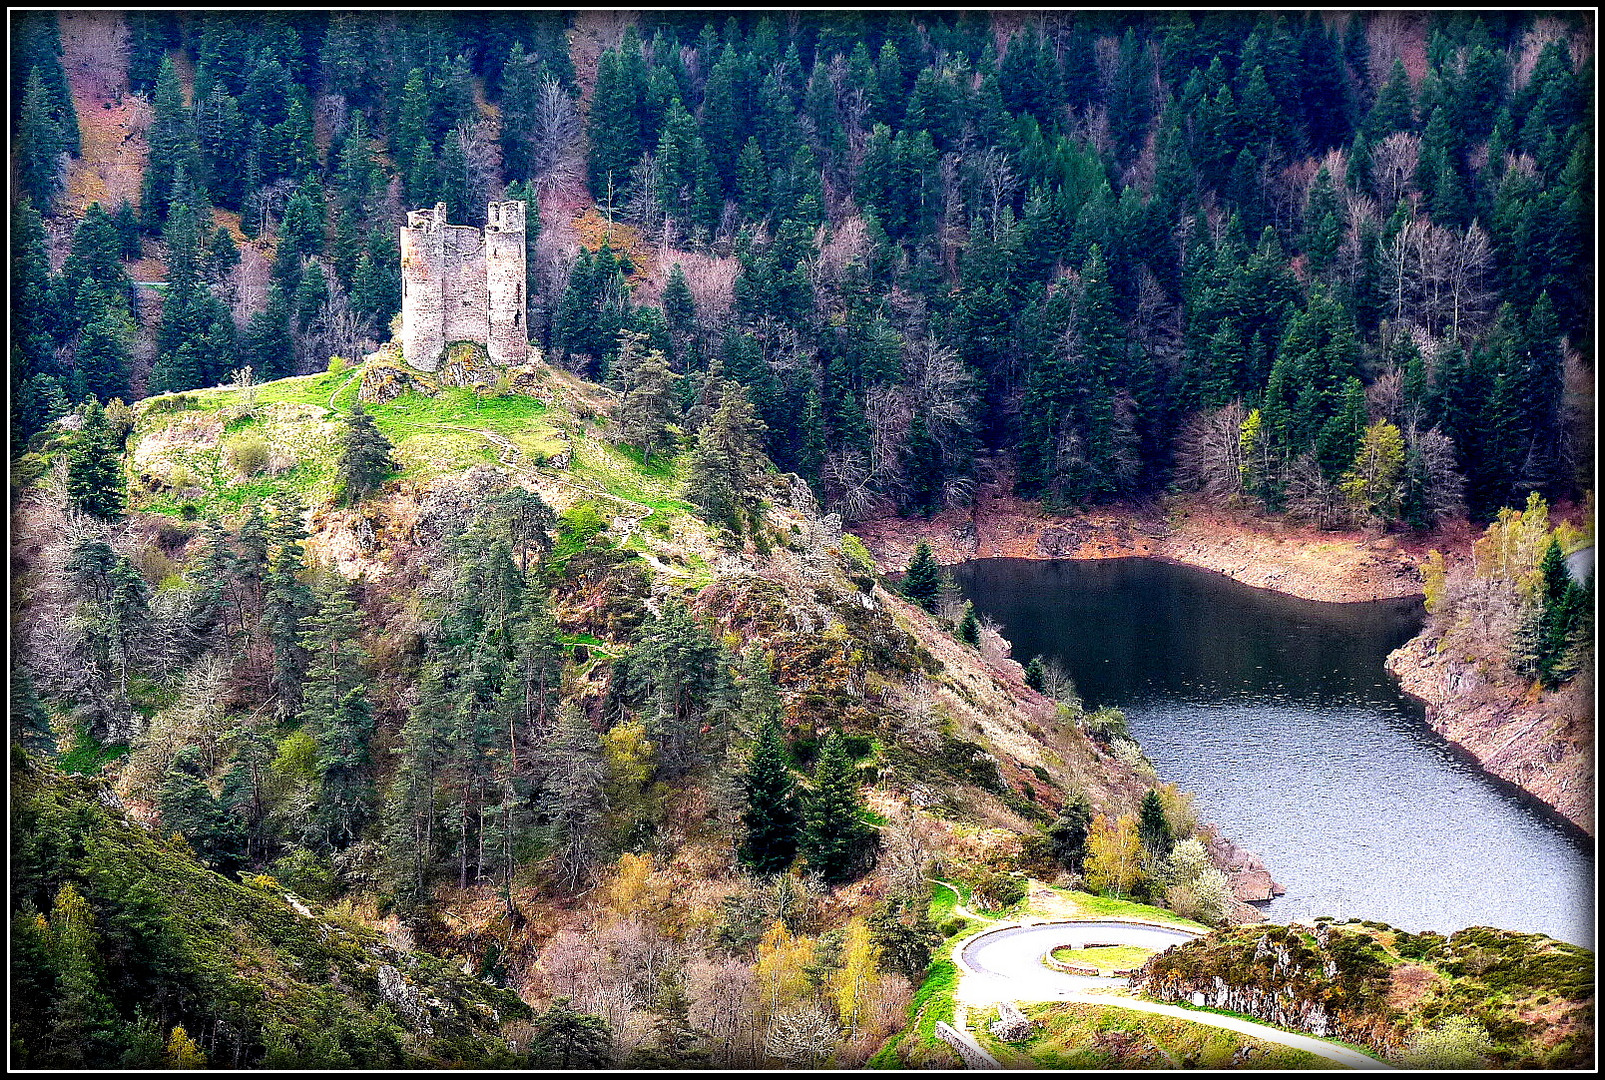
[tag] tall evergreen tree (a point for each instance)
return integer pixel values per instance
(364, 459)
(769, 820)
(923, 582)
(835, 841)
(95, 481)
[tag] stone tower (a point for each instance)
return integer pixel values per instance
(461, 284)
(508, 341)
(423, 302)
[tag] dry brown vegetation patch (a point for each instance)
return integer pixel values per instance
(111, 121)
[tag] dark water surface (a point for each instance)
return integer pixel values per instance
(1278, 713)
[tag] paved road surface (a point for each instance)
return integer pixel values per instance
(1006, 965)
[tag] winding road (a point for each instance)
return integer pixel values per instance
(1005, 962)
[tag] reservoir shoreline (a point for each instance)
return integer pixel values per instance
(1344, 567)
(1255, 648)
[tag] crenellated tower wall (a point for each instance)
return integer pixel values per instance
(423, 282)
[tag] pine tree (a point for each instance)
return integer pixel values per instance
(102, 359)
(1069, 831)
(285, 600)
(410, 810)
(752, 179)
(923, 582)
(903, 933)
(32, 317)
(769, 819)
(95, 482)
(573, 796)
(562, 1038)
(834, 840)
(728, 458)
(344, 796)
(39, 145)
(650, 405)
(30, 721)
(188, 807)
(1152, 828)
(969, 628)
(614, 128)
(1392, 111)
(1562, 619)
(267, 337)
(364, 459)
(173, 146)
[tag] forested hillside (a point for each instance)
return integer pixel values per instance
(1336, 264)
(352, 702)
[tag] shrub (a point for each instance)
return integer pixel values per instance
(249, 456)
(1457, 1043)
(304, 873)
(1106, 724)
(997, 889)
(337, 365)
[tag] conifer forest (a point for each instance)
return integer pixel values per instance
(556, 715)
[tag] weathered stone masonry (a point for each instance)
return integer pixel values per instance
(459, 283)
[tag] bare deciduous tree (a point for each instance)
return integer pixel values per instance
(1430, 462)
(1385, 397)
(804, 1035)
(1393, 163)
(1312, 496)
(1471, 260)
(998, 185)
(724, 1003)
(994, 646)
(482, 158)
(1209, 452)
(554, 136)
(339, 329)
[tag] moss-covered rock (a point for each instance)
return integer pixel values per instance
(385, 379)
(467, 364)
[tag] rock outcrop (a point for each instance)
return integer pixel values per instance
(1541, 741)
(1250, 880)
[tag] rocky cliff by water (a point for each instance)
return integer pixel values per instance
(1540, 740)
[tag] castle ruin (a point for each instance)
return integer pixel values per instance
(459, 283)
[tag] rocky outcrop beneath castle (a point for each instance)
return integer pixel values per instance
(1543, 742)
(386, 378)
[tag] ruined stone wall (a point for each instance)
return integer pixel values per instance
(459, 283)
(504, 278)
(465, 284)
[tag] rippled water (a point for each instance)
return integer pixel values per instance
(1278, 713)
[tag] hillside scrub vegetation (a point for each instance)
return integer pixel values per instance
(1423, 1000)
(545, 715)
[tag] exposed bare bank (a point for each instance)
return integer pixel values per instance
(1301, 561)
(1543, 743)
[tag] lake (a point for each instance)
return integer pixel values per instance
(1278, 714)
